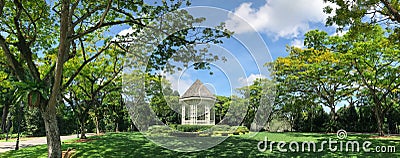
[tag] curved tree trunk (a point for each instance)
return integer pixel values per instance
(82, 115)
(83, 132)
(52, 131)
(379, 117)
(97, 125)
(333, 114)
(4, 118)
(83, 127)
(116, 126)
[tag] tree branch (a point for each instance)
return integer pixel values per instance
(392, 10)
(63, 49)
(22, 45)
(88, 13)
(2, 3)
(83, 65)
(94, 28)
(12, 62)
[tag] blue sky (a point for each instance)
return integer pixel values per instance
(263, 29)
(277, 22)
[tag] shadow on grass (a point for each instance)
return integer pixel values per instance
(136, 145)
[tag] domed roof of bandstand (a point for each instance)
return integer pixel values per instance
(197, 91)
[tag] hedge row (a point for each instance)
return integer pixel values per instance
(197, 130)
(193, 128)
(159, 130)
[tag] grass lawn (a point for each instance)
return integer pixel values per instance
(136, 145)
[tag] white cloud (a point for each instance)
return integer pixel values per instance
(250, 79)
(280, 18)
(297, 43)
(126, 31)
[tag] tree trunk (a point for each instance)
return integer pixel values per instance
(379, 118)
(97, 125)
(83, 131)
(4, 118)
(116, 126)
(82, 120)
(312, 121)
(333, 115)
(83, 127)
(333, 118)
(52, 131)
(49, 108)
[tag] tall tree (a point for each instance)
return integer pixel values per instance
(358, 63)
(97, 76)
(260, 96)
(362, 16)
(221, 108)
(164, 100)
(38, 38)
(316, 73)
(376, 61)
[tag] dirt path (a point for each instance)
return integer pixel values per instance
(10, 145)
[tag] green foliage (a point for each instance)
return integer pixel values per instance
(33, 123)
(66, 120)
(348, 118)
(221, 107)
(159, 130)
(237, 111)
(360, 65)
(393, 119)
(193, 128)
(220, 128)
(314, 119)
(316, 74)
(14, 136)
(239, 130)
(164, 101)
(187, 134)
(352, 13)
(259, 97)
(368, 122)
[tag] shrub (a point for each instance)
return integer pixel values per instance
(184, 134)
(204, 134)
(220, 128)
(173, 126)
(159, 130)
(193, 128)
(222, 133)
(239, 130)
(11, 136)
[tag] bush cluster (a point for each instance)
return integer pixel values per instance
(220, 128)
(159, 130)
(197, 130)
(193, 128)
(239, 130)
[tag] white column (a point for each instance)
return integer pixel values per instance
(195, 115)
(183, 114)
(192, 114)
(213, 111)
(207, 114)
